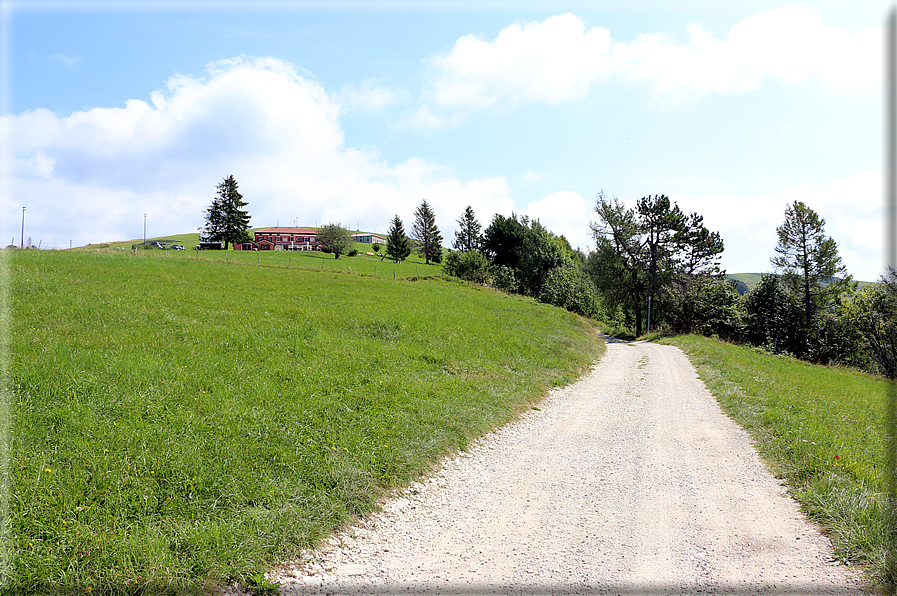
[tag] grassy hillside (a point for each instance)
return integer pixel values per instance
(363, 263)
(745, 281)
(189, 241)
(177, 423)
(821, 428)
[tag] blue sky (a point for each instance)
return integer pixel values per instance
(357, 111)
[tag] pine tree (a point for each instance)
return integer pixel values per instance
(641, 252)
(226, 220)
(397, 245)
(425, 231)
(469, 235)
(808, 261)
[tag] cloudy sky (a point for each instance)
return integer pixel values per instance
(357, 111)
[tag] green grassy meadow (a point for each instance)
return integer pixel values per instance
(363, 263)
(821, 429)
(178, 423)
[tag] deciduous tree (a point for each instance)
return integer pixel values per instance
(873, 312)
(503, 240)
(774, 318)
(471, 266)
(335, 238)
(226, 218)
(526, 248)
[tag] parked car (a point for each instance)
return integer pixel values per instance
(177, 247)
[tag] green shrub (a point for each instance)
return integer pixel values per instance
(566, 287)
(504, 279)
(705, 304)
(469, 266)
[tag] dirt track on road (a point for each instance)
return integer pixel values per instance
(631, 480)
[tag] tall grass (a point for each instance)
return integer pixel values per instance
(177, 424)
(821, 429)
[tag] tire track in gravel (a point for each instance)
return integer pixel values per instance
(631, 480)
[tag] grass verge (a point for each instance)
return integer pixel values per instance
(180, 424)
(821, 429)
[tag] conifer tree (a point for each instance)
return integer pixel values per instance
(226, 220)
(397, 244)
(427, 233)
(469, 235)
(808, 261)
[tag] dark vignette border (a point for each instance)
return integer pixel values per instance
(890, 260)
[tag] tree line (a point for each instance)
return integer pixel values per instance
(656, 268)
(653, 268)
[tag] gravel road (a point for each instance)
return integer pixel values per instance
(631, 480)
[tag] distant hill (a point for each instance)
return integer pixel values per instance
(746, 281)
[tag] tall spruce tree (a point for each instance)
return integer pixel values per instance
(226, 220)
(808, 261)
(469, 235)
(397, 244)
(427, 233)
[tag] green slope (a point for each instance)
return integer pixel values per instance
(179, 423)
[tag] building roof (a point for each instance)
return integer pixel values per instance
(288, 231)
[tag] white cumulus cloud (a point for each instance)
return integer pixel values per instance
(562, 59)
(90, 176)
(566, 213)
(550, 61)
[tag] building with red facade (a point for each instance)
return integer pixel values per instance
(282, 239)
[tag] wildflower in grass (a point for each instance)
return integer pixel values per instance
(48, 470)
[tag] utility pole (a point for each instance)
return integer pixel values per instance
(144, 229)
(23, 229)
